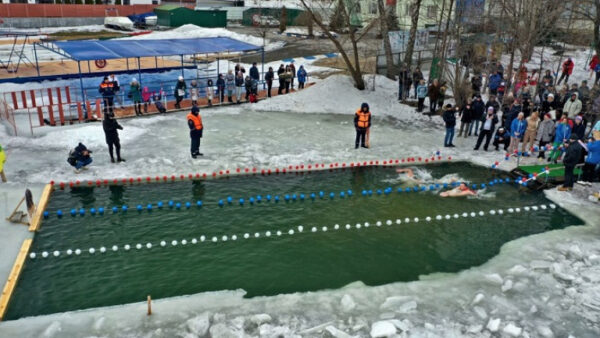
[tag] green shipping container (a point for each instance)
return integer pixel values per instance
(175, 16)
(249, 15)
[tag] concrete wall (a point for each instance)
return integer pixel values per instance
(49, 22)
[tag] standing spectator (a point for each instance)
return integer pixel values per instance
(549, 104)
(517, 130)
(239, 84)
(230, 84)
(508, 118)
(254, 73)
(578, 128)
(591, 168)
(79, 157)
(531, 132)
(293, 72)
(502, 137)
(221, 88)
(450, 121)
(288, 77)
(194, 121)
(146, 96)
(248, 87)
(362, 122)
(403, 82)
(466, 116)
(302, 76)
(433, 92)
(209, 91)
(108, 94)
(135, 93)
(573, 106)
(180, 89)
(545, 134)
(594, 68)
(117, 89)
(487, 129)
(567, 70)
(269, 76)
(281, 77)
(442, 96)
(584, 95)
(570, 160)
(476, 85)
(533, 83)
(494, 83)
(421, 95)
(478, 114)
(111, 133)
(417, 76)
(240, 68)
(562, 133)
(194, 92)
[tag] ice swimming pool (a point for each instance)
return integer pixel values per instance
(309, 254)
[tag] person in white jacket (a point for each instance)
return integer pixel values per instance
(572, 106)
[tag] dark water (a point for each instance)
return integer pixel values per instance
(266, 266)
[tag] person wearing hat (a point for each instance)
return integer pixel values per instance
(180, 89)
(571, 159)
(487, 129)
(107, 89)
(544, 134)
(578, 127)
(135, 94)
(591, 168)
(573, 106)
(195, 124)
(362, 122)
(450, 121)
(502, 137)
(549, 104)
(567, 70)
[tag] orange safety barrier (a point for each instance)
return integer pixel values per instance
(32, 94)
(98, 108)
(24, 98)
(14, 99)
(68, 92)
(79, 111)
(50, 100)
(51, 114)
(40, 115)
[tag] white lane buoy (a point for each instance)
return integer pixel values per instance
(234, 237)
(32, 255)
(278, 233)
(127, 247)
(481, 213)
(194, 241)
(455, 216)
(138, 246)
(358, 225)
(148, 245)
(268, 234)
(526, 208)
(77, 251)
(256, 235)
(102, 249)
(300, 228)
(69, 252)
(428, 219)
(543, 206)
(378, 223)
(518, 209)
(552, 206)
(407, 220)
(473, 214)
(389, 222)
(438, 217)
(348, 226)
(224, 238)
(246, 235)
(163, 243)
(324, 229)
(511, 210)
(367, 224)
(92, 250)
(56, 253)
(492, 212)
(500, 211)
(214, 239)
(290, 232)
(202, 238)
(447, 217)
(464, 214)
(314, 229)
(183, 242)
(336, 227)
(45, 254)
(398, 221)
(416, 220)
(114, 248)
(534, 208)
(174, 243)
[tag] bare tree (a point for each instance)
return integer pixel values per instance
(383, 22)
(351, 58)
(590, 10)
(415, 9)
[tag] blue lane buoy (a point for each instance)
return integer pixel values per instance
(416, 189)
(59, 213)
(379, 191)
(241, 201)
(46, 214)
(159, 204)
(474, 186)
(199, 203)
(221, 203)
(423, 188)
(491, 183)
(350, 192)
(188, 205)
(331, 195)
(507, 180)
(251, 200)
(370, 192)
(364, 193)
(482, 185)
(445, 185)
(321, 194)
(432, 187)
(229, 200)
(276, 199)
(400, 190)
(178, 205)
(342, 194)
(258, 198)
(268, 198)
(407, 190)
(171, 204)
(387, 191)
(437, 185)
(115, 210)
(93, 211)
(286, 197)
(139, 207)
(101, 211)
(312, 196)
(82, 211)
(124, 208)
(294, 197)
(495, 180)
(302, 197)
(73, 212)
(149, 207)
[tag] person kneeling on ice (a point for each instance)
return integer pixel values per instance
(362, 122)
(461, 190)
(501, 137)
(79, 157)
(195, 124)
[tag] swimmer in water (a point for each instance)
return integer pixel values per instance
(409, 175)
(461, 190)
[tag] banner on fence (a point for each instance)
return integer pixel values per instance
(399, 40)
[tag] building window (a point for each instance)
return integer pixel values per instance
(431, 12)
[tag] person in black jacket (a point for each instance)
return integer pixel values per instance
(254, 73)
(404, 83)
(478, 114)
(269, 76)
(417, 76)
(570, 160)
(280, 72)
(578, 128)
(502, 137)
(221, 88)
(107, 89)
(487, 129)
(362, 122)
(80, 157)
(110, 126)
(466, 118)
(450, 121)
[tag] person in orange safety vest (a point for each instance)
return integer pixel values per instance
(362, 122)
(195, 123)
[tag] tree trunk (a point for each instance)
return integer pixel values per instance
(389, 58)
(445, 41)
(414, 22)
(597, 27)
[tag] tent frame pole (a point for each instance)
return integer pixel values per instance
(83, 99)
(37, 65)
(262, 50)
(182, 73)
(155, 62)
(139, 72)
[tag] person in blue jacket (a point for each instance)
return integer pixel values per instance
(562, 133)
(302, 76)
(591, 168)
(517, 130)
(80, 157)
(494, 83)
(421, 95)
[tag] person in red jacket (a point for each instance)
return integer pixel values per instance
(567, 70)
(595, 68)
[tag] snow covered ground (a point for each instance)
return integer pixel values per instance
(547, 285)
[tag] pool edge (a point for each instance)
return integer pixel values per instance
(13, 277)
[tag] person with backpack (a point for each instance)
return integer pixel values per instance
(269, 77)
(79, 157)
(194, 121)
(362, 122)
(135, 94)
(180, 89)
(230, 84)
(302, 76)
(567, 70)
(111, 127)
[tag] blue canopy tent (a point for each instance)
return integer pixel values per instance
(88, 50)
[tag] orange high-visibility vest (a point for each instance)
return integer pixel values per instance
(196, 119)
(363, 118)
